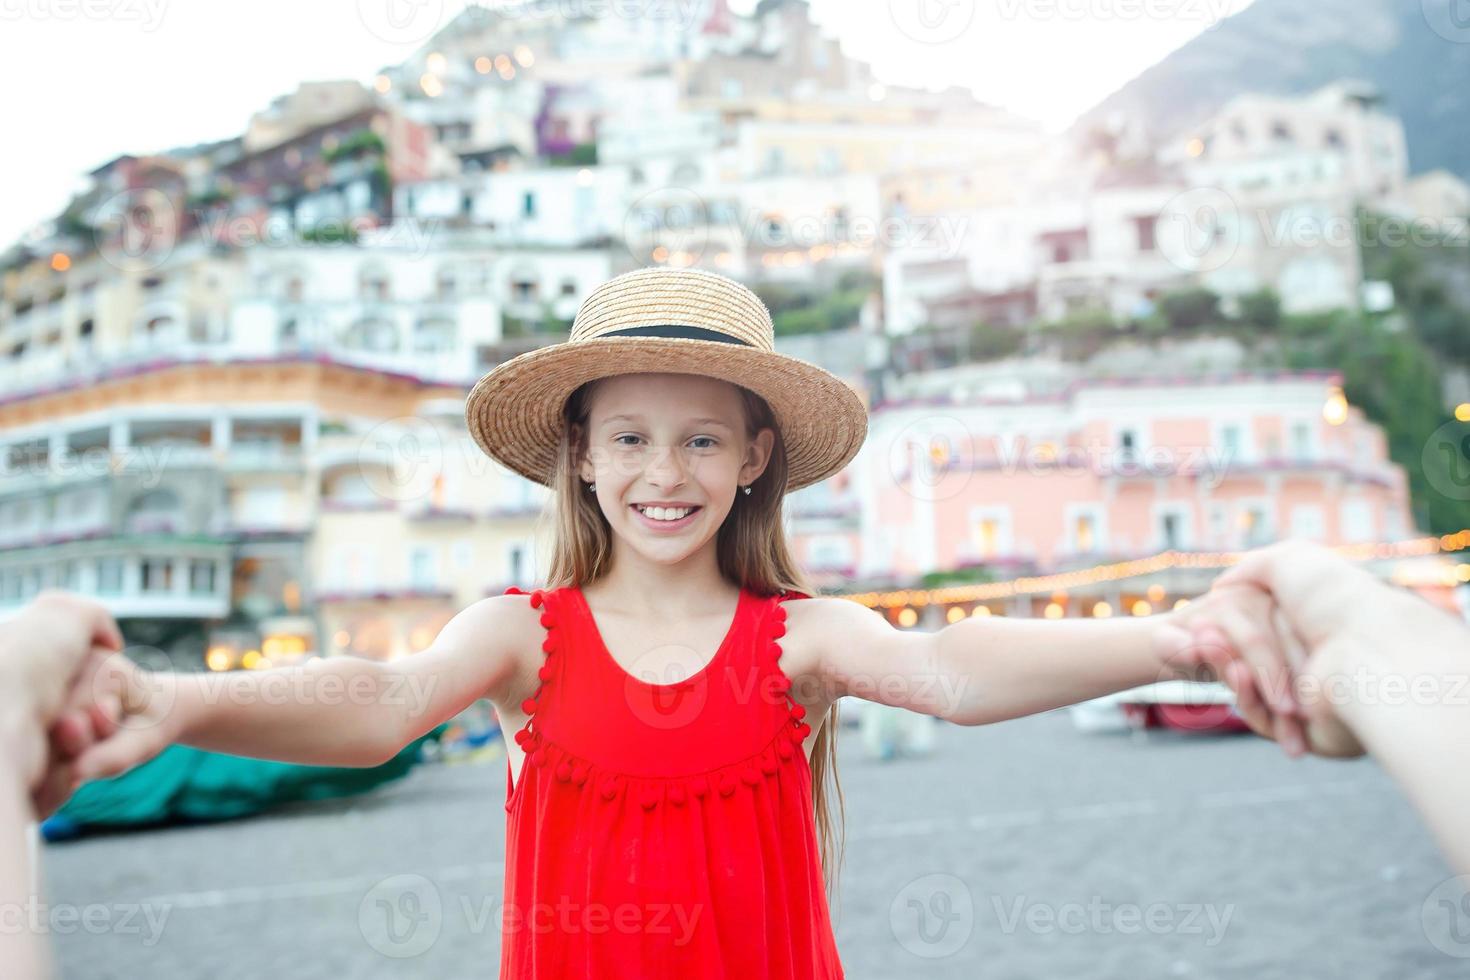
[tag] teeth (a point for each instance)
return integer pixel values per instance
(665, 513)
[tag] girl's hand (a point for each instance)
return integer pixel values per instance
(1325, 733)
(145, 724)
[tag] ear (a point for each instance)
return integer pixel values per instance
(584, 466)
(758, 455)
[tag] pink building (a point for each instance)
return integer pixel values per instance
(1104, 471)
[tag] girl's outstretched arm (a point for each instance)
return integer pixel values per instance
(986, 669)
(330, 711)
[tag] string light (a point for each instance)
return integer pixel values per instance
(1061, 582)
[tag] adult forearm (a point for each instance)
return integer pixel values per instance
(1404, 690)
(23, 948)
(333, 711)
(1005, 668)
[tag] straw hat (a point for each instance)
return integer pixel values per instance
(676, 320)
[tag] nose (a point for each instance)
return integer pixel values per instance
(667, 468)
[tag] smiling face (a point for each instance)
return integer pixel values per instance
(669, 453)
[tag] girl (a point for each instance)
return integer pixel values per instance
(672, 689)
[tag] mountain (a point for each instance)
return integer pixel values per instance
(1416, 51)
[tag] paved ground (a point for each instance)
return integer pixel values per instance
(1021, 850)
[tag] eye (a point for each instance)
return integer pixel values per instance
(710, 439)
(619, 439)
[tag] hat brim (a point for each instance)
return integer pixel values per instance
(514, 413)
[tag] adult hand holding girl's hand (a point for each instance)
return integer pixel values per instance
(52, 707)
(1234, 634)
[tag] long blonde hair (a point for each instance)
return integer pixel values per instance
(752, 551)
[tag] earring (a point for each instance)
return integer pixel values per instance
(746, 488)
(591, 486)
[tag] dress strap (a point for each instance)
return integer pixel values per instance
(528, 737)
(796, 713)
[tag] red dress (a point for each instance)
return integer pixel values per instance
(663, 830)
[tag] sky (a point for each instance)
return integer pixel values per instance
(86, 80)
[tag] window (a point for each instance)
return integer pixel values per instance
(1255, 525)
(372, 284)
(1230, 441)
(1147, 237)
(433, 336)
(1301, 440)
(1169, 531)
(109, 576)
(372, 335)
(990, 532)
(517, 562)
(569, 287)
(201, 577)
(1308, 521)
(1127, 445)
(1084, 533)
(158, 575)
(528, 204)
(422, 571)
(1357, 520)
(445, 285)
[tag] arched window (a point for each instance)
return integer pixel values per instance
(372, 334)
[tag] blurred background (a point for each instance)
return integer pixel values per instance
(1127, 285)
